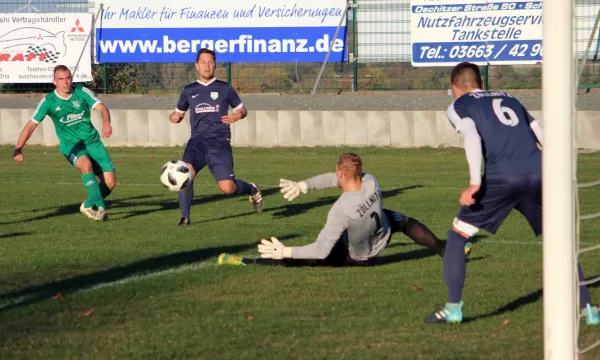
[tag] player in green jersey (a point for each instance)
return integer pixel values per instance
(69, 108)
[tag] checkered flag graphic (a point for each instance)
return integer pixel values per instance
(52, 56)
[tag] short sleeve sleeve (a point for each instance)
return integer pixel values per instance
(183, 104)
(233, 99)
(530, 118)
(457, 113)
(40, 111)
(89, 97)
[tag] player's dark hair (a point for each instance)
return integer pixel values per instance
(206, 51)
(465, 75)
(350, 164)
(60, 68)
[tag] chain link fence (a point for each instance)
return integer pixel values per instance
(375, 22)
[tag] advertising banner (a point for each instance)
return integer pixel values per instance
(237, 30)
(31, 45)
(446, 32)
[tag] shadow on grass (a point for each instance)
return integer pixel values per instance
(14, 234)
(120, 209)
(74, 209)
(167, 205)
(38, 293)
(530, 298)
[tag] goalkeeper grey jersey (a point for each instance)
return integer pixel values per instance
(356, 218)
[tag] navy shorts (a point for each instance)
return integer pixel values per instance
(216, 154)
(498, 197)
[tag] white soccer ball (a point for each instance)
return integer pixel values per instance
(175, 175)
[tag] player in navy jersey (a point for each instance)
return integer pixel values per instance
(499, 130)
(209, 100)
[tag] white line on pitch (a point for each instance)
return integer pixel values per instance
(148, 275)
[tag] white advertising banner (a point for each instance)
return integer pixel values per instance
(446, 32)
(31, 45)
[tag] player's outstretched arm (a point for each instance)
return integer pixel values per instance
(274, 249)
(105, 114)
(331, 233)
(25, 135)
(292, 190)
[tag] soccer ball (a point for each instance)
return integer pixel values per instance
(175, 175)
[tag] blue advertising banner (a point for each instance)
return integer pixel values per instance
(238, 31)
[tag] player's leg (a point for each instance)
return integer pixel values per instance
(108, 182)
(494, 202)
(103, 167)
(455, 272)
(78, 157)
(194, 156)
(531, 208)
(415, 230)
(220, 163)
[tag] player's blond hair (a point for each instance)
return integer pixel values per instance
(60, 68)
(350, 164)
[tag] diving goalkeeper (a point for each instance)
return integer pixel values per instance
(358, 228)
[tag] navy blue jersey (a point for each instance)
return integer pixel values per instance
(208, 102)
(509, 145)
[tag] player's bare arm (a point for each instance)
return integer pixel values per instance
(25, 135)
(105, 114)
(238, 115)
(176, 117)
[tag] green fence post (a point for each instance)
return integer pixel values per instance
(228, 71)
(105, 78)
(354, 49)
(486, 78)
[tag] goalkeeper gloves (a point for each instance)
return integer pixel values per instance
(292, 190)
(274, 249)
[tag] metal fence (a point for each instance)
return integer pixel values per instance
(369, 20)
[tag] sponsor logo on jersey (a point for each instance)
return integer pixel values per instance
(76, 104)
(206, 108)
(72, 119)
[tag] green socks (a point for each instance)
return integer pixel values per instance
(93, 189)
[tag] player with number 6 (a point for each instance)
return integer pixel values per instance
(499, 130)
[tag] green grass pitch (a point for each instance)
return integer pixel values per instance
(157, 293)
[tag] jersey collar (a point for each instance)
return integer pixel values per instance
(206, 83)
(60, 97)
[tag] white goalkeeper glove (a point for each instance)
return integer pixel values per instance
(292, 190)
(274, 249)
